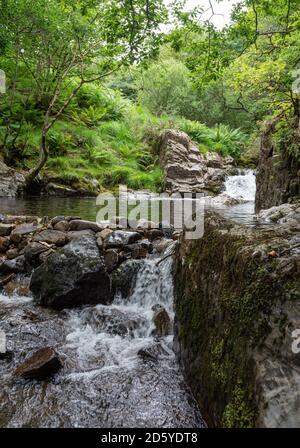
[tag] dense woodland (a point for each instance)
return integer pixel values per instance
(91, 84)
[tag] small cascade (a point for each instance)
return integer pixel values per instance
(116, 371)
(121, 330)
(242, 186)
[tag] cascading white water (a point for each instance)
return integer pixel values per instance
(116, 373)
(93, 329)
(242, 186)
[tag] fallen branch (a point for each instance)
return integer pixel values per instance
(164, 258)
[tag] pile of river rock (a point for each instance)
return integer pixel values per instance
(67, 261)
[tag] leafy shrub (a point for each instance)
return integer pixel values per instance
(221, 139)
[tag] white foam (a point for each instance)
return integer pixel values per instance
(91, 340)
(242, 186)
(14, 300)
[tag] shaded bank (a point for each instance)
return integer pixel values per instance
(237, 302)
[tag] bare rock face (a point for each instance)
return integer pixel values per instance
(278, 173)
(181, 160)
(237, 306)
(42, 364)
(11, 182)
(186, 169)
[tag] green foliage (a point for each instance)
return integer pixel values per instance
(165, 88)
(54, 48)
(221, 139)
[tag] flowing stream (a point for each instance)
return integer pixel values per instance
(116, 372)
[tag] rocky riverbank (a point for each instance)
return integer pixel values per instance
(237, 304)
(71, 261)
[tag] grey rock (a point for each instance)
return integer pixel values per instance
(74, 275)
(11, 182)
(74, 234)
(55, 237)
(17, 265)
(186, 169)
(78, 224)
(123, 278)
(121, 238)
(63, 226)
(21, 230)
(6, 229)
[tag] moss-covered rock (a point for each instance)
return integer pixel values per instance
(234, 292)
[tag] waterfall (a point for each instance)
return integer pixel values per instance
(121, 330)
(241, 186)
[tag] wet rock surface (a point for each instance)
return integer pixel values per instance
(161, 321)
(278, 174)
(72, 276)
(44, 363)
(285, 213)
(237, 304)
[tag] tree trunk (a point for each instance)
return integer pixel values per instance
(34, 172)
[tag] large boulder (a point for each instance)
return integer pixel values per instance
(181, 161)
(186, 169)
(237, 306)
(74, 275)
